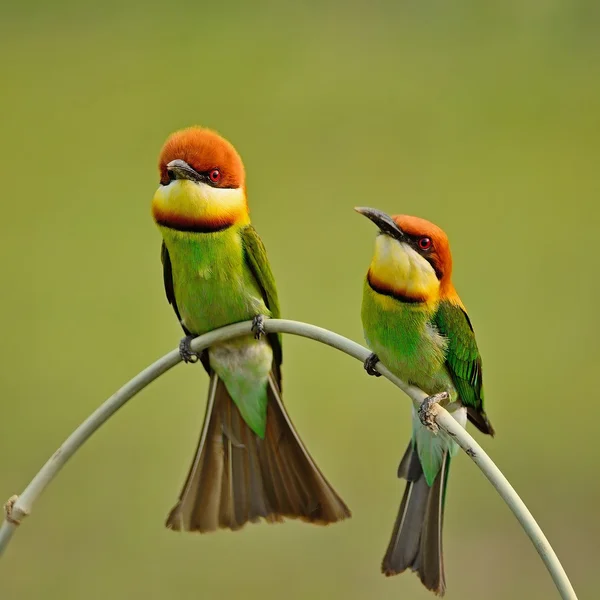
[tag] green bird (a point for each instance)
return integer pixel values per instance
(417, 326)
(250, 462)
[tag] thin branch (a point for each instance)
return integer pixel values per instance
(510, 496)
(18, 507)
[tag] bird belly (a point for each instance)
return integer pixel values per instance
(213, 285)
(406, 341)
(242, 363)
(419, 366)
(205, 304)
(408, 344)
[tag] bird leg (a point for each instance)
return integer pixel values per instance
(258, 326)
(370, 363)
(427, 415)
(185, 350)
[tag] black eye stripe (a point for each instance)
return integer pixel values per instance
(416, 239)
(426, 253)
(204, 177)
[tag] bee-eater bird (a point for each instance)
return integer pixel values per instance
(250, 461)
(417, 326)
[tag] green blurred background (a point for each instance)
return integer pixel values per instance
(483, 118)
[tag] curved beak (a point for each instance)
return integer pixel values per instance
(179, 169)
(384, 222)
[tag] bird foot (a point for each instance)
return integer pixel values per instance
(370, 363)
(185, 350)
(427, 415)
(258, 326)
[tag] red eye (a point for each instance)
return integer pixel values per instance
(215, 175)
(425, 243)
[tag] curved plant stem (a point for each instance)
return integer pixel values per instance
(18, 507)
(510, 496)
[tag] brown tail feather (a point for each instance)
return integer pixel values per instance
(416, 541)
(236, 477)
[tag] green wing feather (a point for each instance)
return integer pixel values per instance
(463, 361)
(258, 263)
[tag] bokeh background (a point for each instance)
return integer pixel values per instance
(483, 118)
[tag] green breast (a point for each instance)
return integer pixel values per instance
(404, 339)
(212, 284)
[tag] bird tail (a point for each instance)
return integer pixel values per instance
(237, 477)
(416, 541)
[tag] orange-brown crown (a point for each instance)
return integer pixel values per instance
(439, 255)
(204, 150)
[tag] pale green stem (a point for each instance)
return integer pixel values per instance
(18, 507)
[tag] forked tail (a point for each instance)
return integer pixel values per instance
(236, 477)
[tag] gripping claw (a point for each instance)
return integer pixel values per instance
(426, 415)
(370, 363)
(185, 350)
(258, 326)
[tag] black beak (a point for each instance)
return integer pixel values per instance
(384, 222)
(179, 169)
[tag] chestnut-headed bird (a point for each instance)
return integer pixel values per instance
(250, 461)
(417, 326)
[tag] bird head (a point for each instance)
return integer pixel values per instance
(412, 258)
(202, 183)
